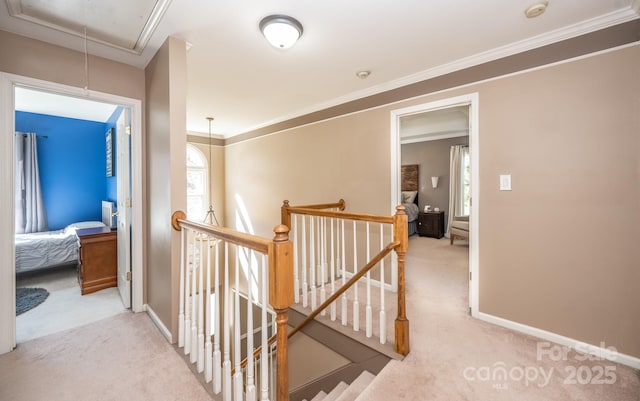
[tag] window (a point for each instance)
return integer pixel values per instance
(197, 179)
(465, 182)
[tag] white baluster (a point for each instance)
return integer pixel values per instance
(368, 310)
(296, 280)
(323, 261)
(338, 270)
(312, 262)
(251, 388)
(194, 303)
(305, 284)
(333, 273)
(200, 365)
(383, 318)
(183, 245)
(356, 304)
(217, 358)
(208, 349)
(343, 268)
(226, 365)
(264, 357)
(237, 377)
(187, 295)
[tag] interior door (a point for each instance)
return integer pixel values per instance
(123, 178)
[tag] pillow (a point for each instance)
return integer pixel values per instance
(409, 196)
(84, 224)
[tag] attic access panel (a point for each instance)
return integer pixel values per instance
(123, 24)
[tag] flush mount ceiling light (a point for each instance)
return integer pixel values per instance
(281, 31)
(537, 9)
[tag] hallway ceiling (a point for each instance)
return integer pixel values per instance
(237, 78)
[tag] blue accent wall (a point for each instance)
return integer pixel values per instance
(72, 166)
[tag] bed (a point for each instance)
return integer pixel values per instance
(49, 248)
(410, 179)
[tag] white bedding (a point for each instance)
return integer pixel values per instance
(49, 248)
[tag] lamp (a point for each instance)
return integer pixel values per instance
(211, 215)
(434, 181)
(281, 31)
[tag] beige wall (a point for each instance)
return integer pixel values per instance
(216, 175)
(166, 176)
(433, 159)
(557, 252)
(36, 59)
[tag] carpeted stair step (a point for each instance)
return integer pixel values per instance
(321, 396)
(336, 392)
(356, 387)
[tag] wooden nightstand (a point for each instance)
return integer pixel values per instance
(431, 224)
(97, 259)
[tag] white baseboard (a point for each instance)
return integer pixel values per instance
(156, 320)
(623, 359)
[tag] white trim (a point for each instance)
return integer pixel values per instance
(472, 100)
(158, 322)
(623, 359)
(568, 32)
(7, 265)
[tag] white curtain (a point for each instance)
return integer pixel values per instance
(455, 177)
(29, 204)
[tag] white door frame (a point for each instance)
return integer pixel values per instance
(472, 100)
(7, 240)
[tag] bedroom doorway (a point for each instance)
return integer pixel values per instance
(435, 129)
(128, 136)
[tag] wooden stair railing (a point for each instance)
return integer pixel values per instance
(399, 244)
(195, 309)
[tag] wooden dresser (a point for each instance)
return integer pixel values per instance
(97, 259)
(431, 224)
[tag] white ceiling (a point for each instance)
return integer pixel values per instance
(33, 101)
(236, 77)
(450, 122)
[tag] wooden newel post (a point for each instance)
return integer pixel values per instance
(280, 298)
(401, 234)
(285, 218)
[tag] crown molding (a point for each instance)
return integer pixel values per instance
(604, 21)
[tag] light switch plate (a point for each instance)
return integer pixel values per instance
(505, 182)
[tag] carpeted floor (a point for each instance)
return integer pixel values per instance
(456, 357)
(120, 358)
(453, 356)
(65, 308)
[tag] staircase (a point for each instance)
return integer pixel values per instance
(346, 392)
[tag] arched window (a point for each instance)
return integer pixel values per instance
(197, 184)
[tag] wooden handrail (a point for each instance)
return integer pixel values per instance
(373, 218)
(254, 242)
(340, 205)
(347, 285)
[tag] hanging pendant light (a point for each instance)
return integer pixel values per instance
(211, 215)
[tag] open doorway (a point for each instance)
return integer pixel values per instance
(423, 138)
(65, 175)
(123, 128)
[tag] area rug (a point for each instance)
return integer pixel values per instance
(29, 298)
